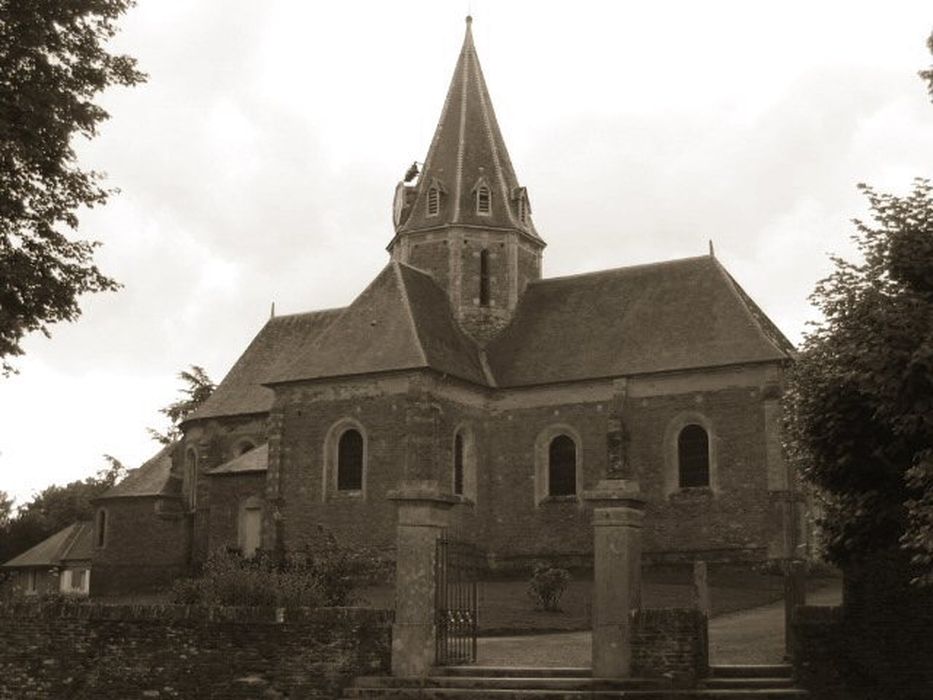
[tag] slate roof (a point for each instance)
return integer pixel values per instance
(468, 147)
(256, 460)
(402, 320)
(241, 391)
(674, 315)
(73, 543)
(153, 478)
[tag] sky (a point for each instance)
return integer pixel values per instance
(258, 165)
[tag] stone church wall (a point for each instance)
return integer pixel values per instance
(729, 520)
(145, 546)
(228, 493)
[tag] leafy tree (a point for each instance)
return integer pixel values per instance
(6, 509)
(861, 397)
(198, 388)
(56, 507)
(928, 73)
(53, 63)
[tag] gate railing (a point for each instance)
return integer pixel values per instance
(457, 569)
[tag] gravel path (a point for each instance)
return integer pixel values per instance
(749, 636)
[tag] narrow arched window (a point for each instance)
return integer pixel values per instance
(562, 466)
(190, 480)
(693, 456)
(458, 464)
(484, 278)
(350, 461)
(101, 527)
(483, 200)
(434, 201)
(522, 209)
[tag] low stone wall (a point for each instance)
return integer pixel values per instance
(670, 643)
(86, 650)
(878, 644)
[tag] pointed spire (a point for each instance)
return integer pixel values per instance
(467, 178)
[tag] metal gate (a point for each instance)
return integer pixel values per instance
(457, 569)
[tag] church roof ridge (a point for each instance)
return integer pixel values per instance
(616, 270)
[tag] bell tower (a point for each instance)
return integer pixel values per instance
(464, 218)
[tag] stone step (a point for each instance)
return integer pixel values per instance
(542, 694)
(748, 683)
(751, 671)
(474, 688)
(516, 671)
(511, 683)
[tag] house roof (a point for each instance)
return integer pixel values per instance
(153, 478)
(674, 315)
(468, 150)
(256, 460)
(241, 391)
(402, 320)
(73, 543)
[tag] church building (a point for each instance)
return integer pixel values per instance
(461, 368)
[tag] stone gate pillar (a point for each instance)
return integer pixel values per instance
(618, 510)
(423, 514)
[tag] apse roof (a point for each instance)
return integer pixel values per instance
(153, 478)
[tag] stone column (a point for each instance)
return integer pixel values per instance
(423, 514)
(618, 510)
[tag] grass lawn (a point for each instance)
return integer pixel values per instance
(506, 609)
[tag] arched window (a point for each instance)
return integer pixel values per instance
(484, 277)
(350, 461)
(190, 480)
(483, 200)
(562, 466)
(434, 200)
(101, 538)
(458, 464)
(693, 456)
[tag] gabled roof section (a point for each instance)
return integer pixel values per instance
(241, 391)
(256, 460)
(153, 478)
(466, 147)
(676, 315)
(72, 543)
(402, 320)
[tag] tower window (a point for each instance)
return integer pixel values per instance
(434, 201)
(458, 464)
(562, 466)
(190, 480)
(101, 527)
(693, 457)
(483, 200)
(522, 210)
(484, 278)
(350, 461)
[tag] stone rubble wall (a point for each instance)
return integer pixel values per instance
(72, 650)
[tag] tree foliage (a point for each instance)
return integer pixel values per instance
(53, 63)
(196, 390)
(54, 508)
(927, 74)
(861, 395)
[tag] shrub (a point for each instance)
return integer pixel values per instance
(547, 585)
(322, 574)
